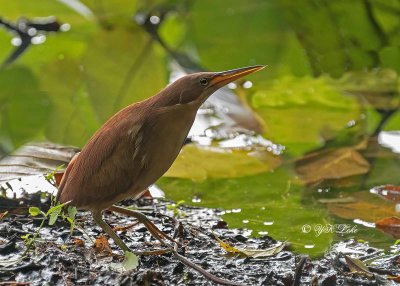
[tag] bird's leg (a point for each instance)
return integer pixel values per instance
(97, 216)
(151, 227)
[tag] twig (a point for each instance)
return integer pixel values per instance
(299, 269)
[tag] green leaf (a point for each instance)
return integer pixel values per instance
(322, 107)
(262, 201)
(50, 176)
(24, 106)
(72, 212)
(331, 163)
(199, 163)
(357, 266)
(268, 41)
(54, 215)
(35, 211)
(71, 218)
(72, 118)
(129, 72)
(250, 252)
(131, 262)
(56, 208)
(351, 40)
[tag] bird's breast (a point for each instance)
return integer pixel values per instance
(162, 139)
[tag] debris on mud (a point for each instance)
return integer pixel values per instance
(62, 258)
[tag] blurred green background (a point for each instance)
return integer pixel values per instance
(331, 87)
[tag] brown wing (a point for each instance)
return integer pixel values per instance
(107, 166)
(66, 174)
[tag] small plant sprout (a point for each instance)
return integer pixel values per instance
(52, 214)
(175, 209)
(50, 177)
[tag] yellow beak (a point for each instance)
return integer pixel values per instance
(222, 78)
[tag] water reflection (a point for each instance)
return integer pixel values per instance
(390, 139)
(196, 200)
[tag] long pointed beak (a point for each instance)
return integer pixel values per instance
(221, 78)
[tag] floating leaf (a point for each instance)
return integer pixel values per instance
(379, 87)
(321, 106)
(199, 163)
(331, 164)
(260, 198)
(337, 200)
(367, 208)
(390, 225)
(388, 192)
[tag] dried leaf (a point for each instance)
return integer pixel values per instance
(3, 215)
(337, 200)
(357, 266)
(367, 211)
(331, 164)
(35, 159)
(390, 225)
(264, 252)
(125, 228)
(252, 252)
(388, 192)
(101, 245)
(394, 278)
(229, 248)
(79, 242)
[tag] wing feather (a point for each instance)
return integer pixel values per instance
(107, 166)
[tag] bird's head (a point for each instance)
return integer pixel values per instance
(197, 87)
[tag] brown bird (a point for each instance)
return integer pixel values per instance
(136, 146)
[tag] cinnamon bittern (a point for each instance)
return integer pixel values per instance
(136, 146)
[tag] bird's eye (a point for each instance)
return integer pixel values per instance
(203, 81)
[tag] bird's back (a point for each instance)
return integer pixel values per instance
(126, 155)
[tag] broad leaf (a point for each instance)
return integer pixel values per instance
(199, 163)
(390, 225)
(331, 164)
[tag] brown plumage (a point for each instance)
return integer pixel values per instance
(137, 145)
